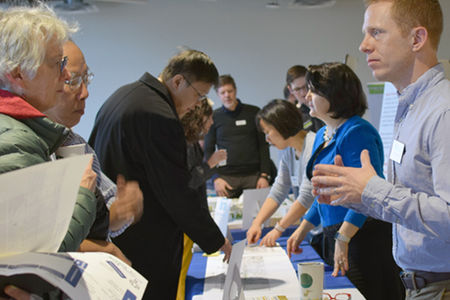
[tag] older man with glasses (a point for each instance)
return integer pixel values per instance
(124, 201)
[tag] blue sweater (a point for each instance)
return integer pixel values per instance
(355, 135)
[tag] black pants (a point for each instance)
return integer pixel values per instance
(372, 268)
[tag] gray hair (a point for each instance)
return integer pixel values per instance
(24, 36)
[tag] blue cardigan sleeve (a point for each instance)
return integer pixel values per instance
(313, 216)
(356, 140)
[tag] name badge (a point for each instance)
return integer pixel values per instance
(241, 122)
(294, 180)
(397, 151)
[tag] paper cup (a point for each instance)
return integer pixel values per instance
(310, 276)
(73, 150)
(222, 163)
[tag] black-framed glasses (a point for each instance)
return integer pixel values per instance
(300, 88)
(338, 296)
(200, 96)
(63, 64)
(76, 80)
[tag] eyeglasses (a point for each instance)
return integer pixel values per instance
(200, 96)
(75, 80)
(338, 296)
(300, 88)
(62, 64)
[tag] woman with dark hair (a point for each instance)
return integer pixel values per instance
(196, 124)
(282, 124)
(357, 246)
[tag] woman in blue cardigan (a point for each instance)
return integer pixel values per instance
(357, 246)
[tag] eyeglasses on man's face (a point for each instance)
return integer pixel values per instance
(338, 296)
(76, 80)
(200, 96)
(299, 89)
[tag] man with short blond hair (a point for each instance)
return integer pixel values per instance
(401, 38)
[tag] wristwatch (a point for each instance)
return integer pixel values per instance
(279, 227)
(341, 237)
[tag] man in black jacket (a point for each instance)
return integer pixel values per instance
(137, 133)
(248, 164)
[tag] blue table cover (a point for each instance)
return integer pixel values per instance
(196, 273)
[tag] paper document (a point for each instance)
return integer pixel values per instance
(264, 272)
(83, 276)
(37, 204)
(253, 201)
(232, 288)
(221, 213)
(387, 120)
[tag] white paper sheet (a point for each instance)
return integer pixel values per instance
(37, 204)
(264, 272)
(253, 201)
(221, 213)
(232, 289)
(387, 120)
(85, 276)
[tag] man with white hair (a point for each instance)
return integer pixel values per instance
(32, 74)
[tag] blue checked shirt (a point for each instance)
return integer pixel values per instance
(417, 197)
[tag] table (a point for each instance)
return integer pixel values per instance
(196, 273)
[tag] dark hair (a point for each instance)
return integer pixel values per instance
(224, 80)
(295, 72)
(194, 65)
(286, 92)
(283, 116)
(194, 121)
(340, 86)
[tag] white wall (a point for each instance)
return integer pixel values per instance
(256, 45)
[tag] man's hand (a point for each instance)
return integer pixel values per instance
(270, 239)
(226, 248)
(128, 206)
(217, 157)
(18, 294)
(222, 187)
(91, 245)
(253, 233)
(89, 177)
(338, 185)
(262, 183)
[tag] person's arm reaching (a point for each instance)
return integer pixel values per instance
(296, 211)
(267, 210)
(294, 241)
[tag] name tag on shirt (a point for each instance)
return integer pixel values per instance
(294, 180)
(241, 122)
(397, 151)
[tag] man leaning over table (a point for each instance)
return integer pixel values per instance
(401, 38)
(137, 133)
